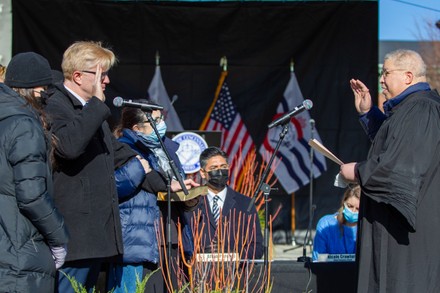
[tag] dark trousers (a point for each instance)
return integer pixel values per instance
(85, 272)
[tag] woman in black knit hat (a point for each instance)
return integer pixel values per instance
(29, 74)
(32, 235)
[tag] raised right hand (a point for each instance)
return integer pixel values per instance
(98, 90)
(362, 96)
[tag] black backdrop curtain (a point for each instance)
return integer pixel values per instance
(330, 42)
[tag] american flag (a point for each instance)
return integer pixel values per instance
(236, 141)
(293, 170)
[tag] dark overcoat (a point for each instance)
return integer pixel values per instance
(86, 156)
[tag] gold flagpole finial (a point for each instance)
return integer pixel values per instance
(224, 63)
(157, 58)
(292, 67)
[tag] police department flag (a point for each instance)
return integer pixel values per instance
(159, 95)
(236, 141)
(293, 170)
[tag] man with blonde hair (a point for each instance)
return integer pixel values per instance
(400, 181)
(86, 155)
(2, 73)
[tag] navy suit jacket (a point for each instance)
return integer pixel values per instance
(237, 222)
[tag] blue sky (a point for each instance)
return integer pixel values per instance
(406, 20)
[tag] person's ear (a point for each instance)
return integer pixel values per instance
(76, 77)
(409, 77)
(135, 127)
(203, 173)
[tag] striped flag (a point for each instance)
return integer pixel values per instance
(236, 141)
(293, 170)
(159, 95)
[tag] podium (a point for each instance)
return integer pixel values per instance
(319, 277)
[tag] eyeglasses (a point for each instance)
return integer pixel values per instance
(156, 120)
(385, 72)
(103, 74)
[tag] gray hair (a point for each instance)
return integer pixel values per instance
(409, 60)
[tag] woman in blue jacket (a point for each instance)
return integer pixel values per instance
(140, 211)
(336, 233)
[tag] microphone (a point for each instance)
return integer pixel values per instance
(312, 124)
(174, 99)
(120, 102)
(306, 105)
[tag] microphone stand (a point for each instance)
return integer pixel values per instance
(304, 257)
(312, 207)
(176, 174)
(265, 188)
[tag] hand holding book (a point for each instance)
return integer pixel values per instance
(316, 145)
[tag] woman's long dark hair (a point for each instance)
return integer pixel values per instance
(37, 104)
(131, 117)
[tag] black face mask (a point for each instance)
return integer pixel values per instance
(218, 178)
(45, 95)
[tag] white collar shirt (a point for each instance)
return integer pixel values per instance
(83, 102)
(221, 200)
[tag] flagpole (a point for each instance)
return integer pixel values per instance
(157, 58)
(224, 65)
(311, 208)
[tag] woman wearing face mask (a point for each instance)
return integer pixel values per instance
(140, 211)
(33, 235)
(336, 233)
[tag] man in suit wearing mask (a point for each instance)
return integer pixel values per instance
(222, 216)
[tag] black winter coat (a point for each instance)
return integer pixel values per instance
(29, 222)
(84, 186)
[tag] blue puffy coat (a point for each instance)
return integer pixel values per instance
(139, 214)
(139, 209)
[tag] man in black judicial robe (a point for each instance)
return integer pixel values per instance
(399, 221)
